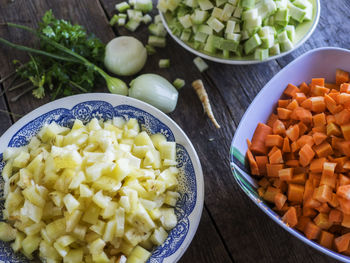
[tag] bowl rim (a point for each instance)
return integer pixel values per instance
(73, 100)
(260, 203)
(245, 62)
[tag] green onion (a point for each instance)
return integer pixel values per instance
(156, 41)
(114, 20)
(132, 25)
(122, 7)
(150, 50)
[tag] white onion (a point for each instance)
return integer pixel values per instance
(155, 90)
(125, 56)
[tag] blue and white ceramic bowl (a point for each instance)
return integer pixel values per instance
(106, 106)
(321, 62)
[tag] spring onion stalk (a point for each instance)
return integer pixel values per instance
(114, 85)
(154, 90)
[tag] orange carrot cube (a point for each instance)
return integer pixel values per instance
(299, 97)
(344, 191)
(346, 221)
(342, 117)
(319, 137)
(270, 193)
(299, 178)
(252, 163)
(342, 243)
(306, 154)
(305, 139)
(341, 76)
(319, 119)
(280, 200)
(323, 193)
(318, 104)
(312, 231)
(272, 169)
(283, 114)
(290, 217)
(295, 193)
(285, 174)
(321, 220)
(317, 81)
(335, 216)
(316, 165)
(286, 145)
(276, 157)
(346, 131)
(293, 132)
(273, 140)
(333, 130)
(323, 150)
(283, 103)
(272, 118)
(278, 127)
(258, 141)
(291, 90)
(304, 88)
(303, 115)
(261, 161)
(326, 239)
(317, 90)
(345, 87)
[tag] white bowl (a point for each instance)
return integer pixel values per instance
(321, 62)
(102, 105)
(303, 32)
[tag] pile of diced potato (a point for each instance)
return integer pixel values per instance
(101, 192)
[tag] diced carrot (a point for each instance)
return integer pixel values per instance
(334, 96)
(328, 168)
(252, 163)
(302, 128)
(316, 179)
(332, 86)
(323, 208)
(279, 184)
(299, 97)
(283, 103)
(306, 154)
(340, 163)
(293, 105)
(344, 147)
(285, 174)
(346, 165)
(312, 203)
(326, 239)
(316, 166)
(308, 190)
(342, 243)
(312, 231)
(346, 221)
(342, 117)
(344, 191)
(261, 191)
(278, 128)
(344, 205)
(321, 220)
(286, 145)
(280, 200)
(292, 163)
(346, 131)
(319, 137)
(317, 90)
(293, 132)
(303, 115)
(299, 178)
(334, 202)
(331, 104)
(344, 98)
(272, 118)
(276, 157)
(302, 222)
(304, 88)
(318, 104)
(335, 216)
(323, 193)
(330, 119)
(295, 193)
(272, 169)
(306, 104)
(323, 150)
(283, 114)
(258, 141)
(263, 182)
(290, 217)
(341, 76)
(273, 149)
(318, 81)
(305, 139)
(319, 119)
(273, 140)
(345, 87)
(321, 129)
(270, 193)
(261, 161)
(333, 130)
(309, 212)
(291, 90)
(343, 180)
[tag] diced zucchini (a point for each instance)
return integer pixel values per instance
(261, 54)
(296, 13)
(199, 16)
(215, 24)
(143, 5)
(219, 3)
(186, 21)
(234, 37)
(146, 19)
(275, 50)
(113, 20)
(157, 30)
(185, 35)
(200, 64)
(122, 7)
(250, 14)
(150, 50)
(155, 41)
(209, 45)
(164, 63)
(191, 3)
(252, 43)
(247, 3)
(157, 19)
(217, 13)
(230, 27)
(282, 17)
(200, 37)
(179, 83)
(290, 32)
(132, 25)
(205, 29)
(286, 45)
(227, 12)
(238, 12)
(205, 4)
(268, 41)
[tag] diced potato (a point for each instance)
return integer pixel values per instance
(63, 251)
(70, 202)
(169, 178)
(29, 245)
(107, 183)
(93, 125)
(171, 198)
(96, 247)
(100, 258)
(91, 214)
(168, 218)
(21, 160)
(57, 198)
(109, 230)
(157, 139)
(138, 255)
(99, 227)
(101, 200)
(7, 233)
(66, 157)
(17, 245)
(65, 241)
(32, 211)
(77, 180)
(85, 191)
(46, 250)
(33, 196)
(133, 236)
(34, 229)
(49, 132)
(79, 232)
(167, 150)
(72, 219)
(143, 139)
(110, 210)
(56, 229)
(159, 235)
(152, 159)
(74, 256)
(120, 219)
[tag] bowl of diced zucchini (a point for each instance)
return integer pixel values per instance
(98, 178)
(240, 31)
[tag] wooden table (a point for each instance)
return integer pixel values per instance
(232, 228)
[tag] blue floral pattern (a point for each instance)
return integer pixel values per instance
(103, 110)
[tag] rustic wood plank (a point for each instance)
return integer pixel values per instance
(5, 118)
(204, 246)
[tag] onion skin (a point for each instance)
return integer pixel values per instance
(125, 56)
(155, 90)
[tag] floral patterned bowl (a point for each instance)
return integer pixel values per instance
(106, 106)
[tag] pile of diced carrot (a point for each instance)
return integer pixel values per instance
(302, 159)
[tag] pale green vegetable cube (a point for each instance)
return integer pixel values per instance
(252, 43)
(164, 63)
(200, 64)
(286, 45)
(290, 32)
(205, 4)
(143, 5)
(21, 160)
(247, 3)
(215, 24)
(250, 14)
(200, 37)
(122, 7)
(186, 21)
(230, 27)
(156, 41)
(275, 50)
(261, 54)
(132, 25)
(217, 13)
(238, 12)
(227, 12)
(199, 16)
(179, 83)
(296, 13)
